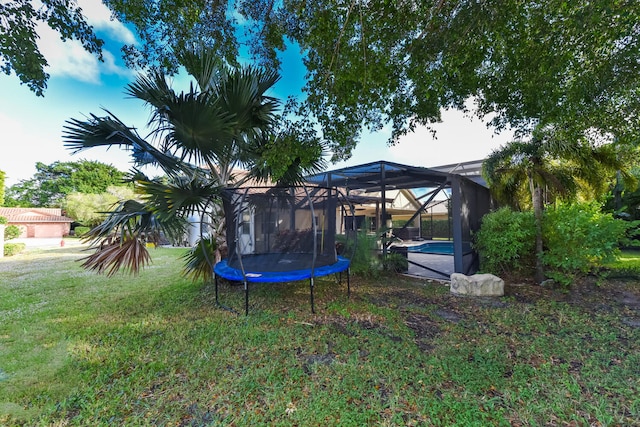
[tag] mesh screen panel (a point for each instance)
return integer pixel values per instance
(280, 229)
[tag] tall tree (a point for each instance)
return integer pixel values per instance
(547, 167)
(530, 63)
(89, 209)
(200, 138)
(370, 63)
(52, 183)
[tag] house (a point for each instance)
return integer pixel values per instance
(38, 222)
(401, 207)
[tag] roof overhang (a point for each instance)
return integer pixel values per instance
(377, 176)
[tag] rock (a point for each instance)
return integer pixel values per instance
(485, 285)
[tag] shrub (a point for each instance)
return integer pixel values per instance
(3, 220)
(578, 239)
(81, 230)
(506, 242)
(395, 263)
(11, 232)
(13, 248)
(365, 260)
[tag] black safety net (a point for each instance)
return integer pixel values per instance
(285, 229)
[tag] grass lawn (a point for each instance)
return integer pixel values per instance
(82, 349)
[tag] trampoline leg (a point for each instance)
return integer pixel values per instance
(311, 289)
(348, 283)
(215, 280)
(246, 298)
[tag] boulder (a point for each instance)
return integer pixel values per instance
(481, 285)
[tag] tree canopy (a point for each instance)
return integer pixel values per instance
(52, 183)
(531, 63)
(18, 35)
(528, 63)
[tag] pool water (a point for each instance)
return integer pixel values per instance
(441, 248)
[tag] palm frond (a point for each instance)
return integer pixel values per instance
(204, 65)
(126, 220)
(152, 88)
(198, 127)
(110, 131)
(242, 93)
(180, 197)
(98, 132)
(200, 259)
(114, 255)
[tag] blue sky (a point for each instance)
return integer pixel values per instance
(32, 126)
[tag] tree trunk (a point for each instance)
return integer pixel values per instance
(536, 196)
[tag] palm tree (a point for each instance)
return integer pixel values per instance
(545, 168)
(199, 139)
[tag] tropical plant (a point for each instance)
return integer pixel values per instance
(623, 200)
(548, 167)
(199, 138)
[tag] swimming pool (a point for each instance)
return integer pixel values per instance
(441, 248)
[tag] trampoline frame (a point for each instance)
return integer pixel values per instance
(222, 269)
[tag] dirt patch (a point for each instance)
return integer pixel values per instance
(588, 293)
(614, 296)
(425, 330)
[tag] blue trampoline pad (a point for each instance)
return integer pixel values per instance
(223, 269)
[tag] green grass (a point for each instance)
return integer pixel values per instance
(86, 350)
(627, 264)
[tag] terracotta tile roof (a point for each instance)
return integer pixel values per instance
(20, 215)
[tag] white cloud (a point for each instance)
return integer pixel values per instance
(99, 16)
(67, 58)
(111, 67)
(70, 59)
(458, 138)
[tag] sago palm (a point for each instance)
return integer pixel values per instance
(200, 138)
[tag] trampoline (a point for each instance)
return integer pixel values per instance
(285, 234)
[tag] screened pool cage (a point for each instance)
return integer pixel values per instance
(286, 234)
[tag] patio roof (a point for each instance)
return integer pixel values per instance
(373, 176)
(470, 198)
